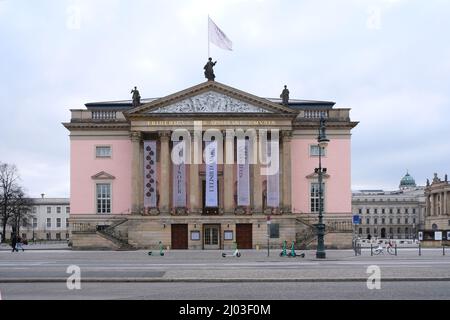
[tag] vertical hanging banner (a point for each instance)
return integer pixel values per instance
(150, 174)
(179, 175)
(211, 174)
(273, 179)
(243, 176)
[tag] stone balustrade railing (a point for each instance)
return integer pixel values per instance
(97, 115)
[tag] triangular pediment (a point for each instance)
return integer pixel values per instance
(103, 176)
(208, 98)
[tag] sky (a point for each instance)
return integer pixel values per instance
(387, 60)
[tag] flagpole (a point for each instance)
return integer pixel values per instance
(208, 39)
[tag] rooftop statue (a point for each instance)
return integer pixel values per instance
(285, 96)
(209, 71)
(136, 97)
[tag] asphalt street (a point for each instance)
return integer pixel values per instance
(42, 274)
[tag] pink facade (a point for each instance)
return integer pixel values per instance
(84, 165)
(337, 160)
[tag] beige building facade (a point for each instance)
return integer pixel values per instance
(437, 218)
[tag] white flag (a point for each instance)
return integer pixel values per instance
(217, 36)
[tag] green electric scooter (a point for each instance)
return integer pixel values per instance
(161, 251)
(292, 252)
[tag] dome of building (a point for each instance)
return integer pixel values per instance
(407, 182)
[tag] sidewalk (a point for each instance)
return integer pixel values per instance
(38, 246)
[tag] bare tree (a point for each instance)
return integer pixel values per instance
(21, 211)
(8, 187)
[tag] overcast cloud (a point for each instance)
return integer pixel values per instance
(387, 60)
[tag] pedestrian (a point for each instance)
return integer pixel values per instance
(19, 244)
(13, 243)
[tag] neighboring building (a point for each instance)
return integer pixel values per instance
(126, 191)
(50, 220)
(437, 217)
(390, 214)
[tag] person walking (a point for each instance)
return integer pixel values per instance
(19, 244)
(14, 243)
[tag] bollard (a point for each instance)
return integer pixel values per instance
(371, 250)
(443, 250)
(396, 249)
(420, 249)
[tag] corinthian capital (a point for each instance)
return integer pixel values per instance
(135, 135)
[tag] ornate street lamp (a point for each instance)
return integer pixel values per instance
(320, 227)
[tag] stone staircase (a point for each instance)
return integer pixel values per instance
(307, 231)
(113, 234)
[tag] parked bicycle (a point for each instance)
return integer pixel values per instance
(382, 250)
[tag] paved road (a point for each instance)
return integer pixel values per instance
(229, 291)
(210, 266)
(206, 275)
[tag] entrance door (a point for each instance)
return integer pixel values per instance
(179, 236)
(211, 236)
(244, 237)
(383, 233)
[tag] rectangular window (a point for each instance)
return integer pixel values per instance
(49, 222)
(58, 222)
(376, 211)
(390, 211)
(34, 210)
(49, 209)
(367, 211)
(414, 220)
(360, 211)
(398, 221)
(414, 211)
(383, 211)
(406, 220)
(34, 222)
(103, 152)
(67, 209)
(375, 221)
(314, 151)
(49, 236)
(398, 210)
(315, 196)
(391, 221)
(406, 210)
(58, 236)
(383, 221)
(274, 230)
(367, 221)
(58, 209)
(103, 198)
(67, 223)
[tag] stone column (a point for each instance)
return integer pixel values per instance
(257, 182)
(228, 177)
(136, 173)
(164, 185)
(194, 187)
(445, 203)
(285, 163)
(428, 206)
(432, 212)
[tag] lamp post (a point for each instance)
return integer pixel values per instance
(320, 227)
